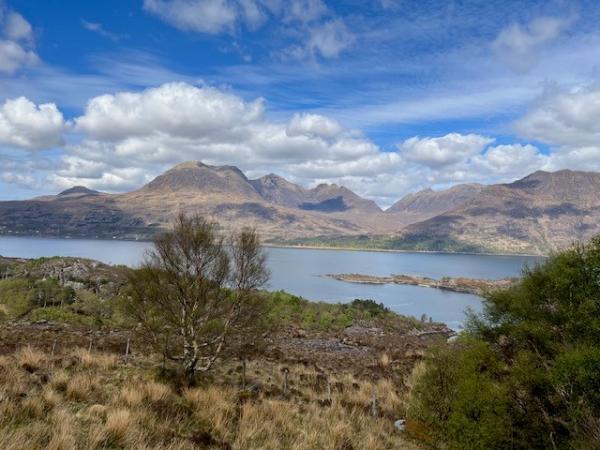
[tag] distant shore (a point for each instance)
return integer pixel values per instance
(290, 246)
(394, 250)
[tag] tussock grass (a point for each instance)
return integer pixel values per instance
(132, 396)
(156, 392)
(115, 431)
(91, 400)
(63, 431)
(31, 359)
(80, 387)
(93, 360)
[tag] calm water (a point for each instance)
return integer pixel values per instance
(300, 271)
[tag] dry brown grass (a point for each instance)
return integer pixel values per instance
(93, 360)
(63, 432)
(59, 380)
(156, 392)
(90, 400)
(117, 425)
(79, 387)
(217, 406)
(31, 359)
(132, 396)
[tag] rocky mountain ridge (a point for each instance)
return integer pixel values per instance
(537, 214)
(540, 213)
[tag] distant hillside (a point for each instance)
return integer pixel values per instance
(273, 205)
(324, 197)
(537, 214)
(426, 204)
(540, 213)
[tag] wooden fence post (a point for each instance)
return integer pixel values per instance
(244, 373)
(127, 352)
(285, 371)
(374, 404)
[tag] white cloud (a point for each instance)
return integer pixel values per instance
(253, 14)
(218, 16)
(565, 118)
(16, 49)
(569, 122)
(313, 125)
(514, 160)
(17, 179)
(443, 151)
(16, 28)
(329, 39)
(23, 171)
(203, 16)
(176, 109)
(13, 56)
(519, 45)
(305, 10)
(99, 29)
(325, 40)
(305, 20)
(159, 127)
(26, 125)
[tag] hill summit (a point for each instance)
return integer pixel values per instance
(539, 213)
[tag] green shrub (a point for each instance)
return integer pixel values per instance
(18, 297)
(527, 374)
(58, 314)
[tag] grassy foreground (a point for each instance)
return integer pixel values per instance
(326, 376)
(87, 400)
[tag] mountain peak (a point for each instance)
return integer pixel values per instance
(194, 177)
(79, 190)
(278, 190)
(428, 203)
(188, 165)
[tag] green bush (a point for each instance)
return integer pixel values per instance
(527, 373)
(288, 309)
(58, 314)
(18, 297)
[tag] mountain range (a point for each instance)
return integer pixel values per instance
(537, 214)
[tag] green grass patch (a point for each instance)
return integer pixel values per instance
(62, 315)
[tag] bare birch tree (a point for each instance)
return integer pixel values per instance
(196, 292)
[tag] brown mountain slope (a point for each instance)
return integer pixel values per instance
(275, 189)
(428, 203)
(194, 177)
(329, 198)
(537, 214)
(221, 193)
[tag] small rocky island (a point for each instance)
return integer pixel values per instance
(464, 285)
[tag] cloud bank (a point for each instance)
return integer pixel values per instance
(123, 140)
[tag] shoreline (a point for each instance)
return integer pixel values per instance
(393, 250)
(462, 285)
(290, 246)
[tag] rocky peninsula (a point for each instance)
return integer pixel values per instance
(464, 285)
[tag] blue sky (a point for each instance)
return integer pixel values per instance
(384, 96)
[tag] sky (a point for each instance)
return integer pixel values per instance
(386, 97)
